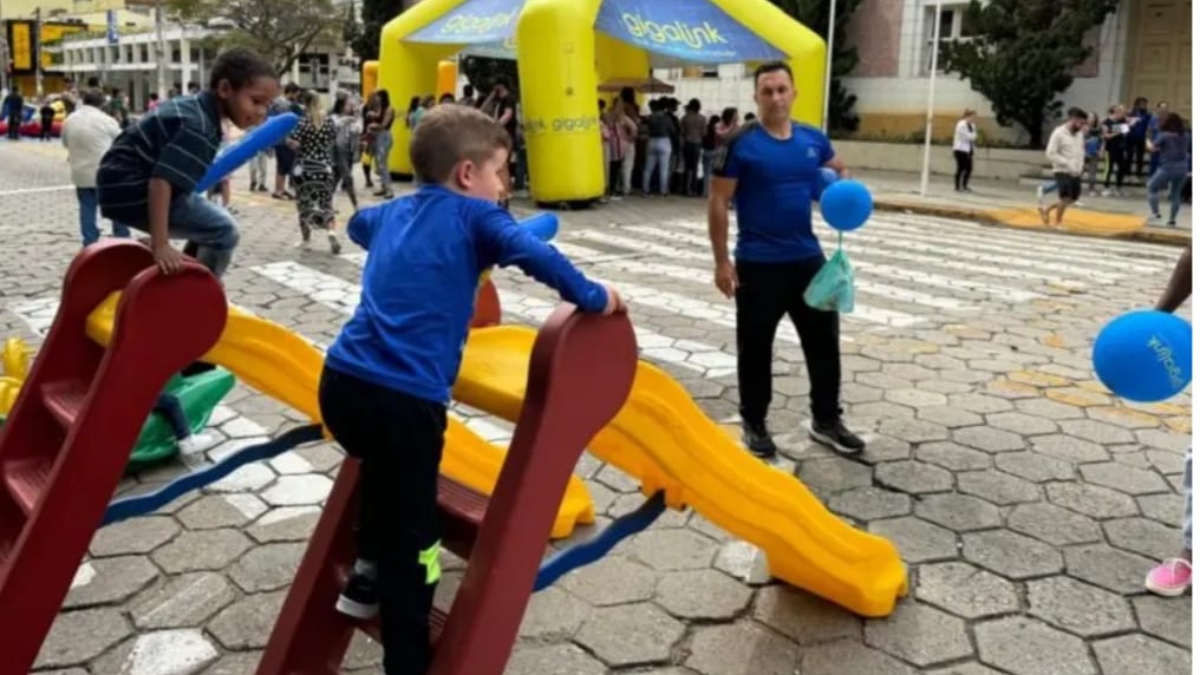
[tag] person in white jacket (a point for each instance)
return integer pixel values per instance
(87, 134)
(965, 133)
(1066, 154)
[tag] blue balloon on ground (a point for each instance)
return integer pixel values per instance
(846, 205)
(1144, 355)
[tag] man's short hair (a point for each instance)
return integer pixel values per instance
(447, 135)
(93, 97)
(1077, 113)
(772, 67)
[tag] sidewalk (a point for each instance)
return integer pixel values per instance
(1006, 204)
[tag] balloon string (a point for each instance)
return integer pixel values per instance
(840, 233)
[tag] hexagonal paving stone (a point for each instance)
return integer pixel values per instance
(202, 550)
(184, 601)
(998, 488)
(181, 651)
(982, 403)
(1165, 508)
(914, 477)
(966, 590)
(1077, 607)
(115, 580)
(738, 559)
(951, 418)
(913, 431)
(1169, 619)
(871, 503)
(804, 617)
(1123, 416)
(1069, 448)
(628, 635)
(1011, 555)
(612, 580)
(553, 614)
(301, 490)
(1048, 409)
(1024, 646)
(79, 636)
(1034, 467)
(1162, 440)
(1053, 524)
(1139, 655)
(920, 634)
(848, 656)
(988, 439)
(915, 398)
(961, 513)
(1144, 536)
(562, 659)
(1097, 432)
(702, 594)
(1091, 500)
(966, 669)
(885, 449)
(286, 523)
(212, 512)
(267, 568)
(677, 549)
(953, 456)
(833, 474)
(740, 648)
(1124, 478)
(247, 623)
(1021, 423)
(136, 535)
(1104, 566)
(918, 540)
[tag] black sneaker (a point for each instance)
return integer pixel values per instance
(360, 598)
(837, 436)
(758, 440)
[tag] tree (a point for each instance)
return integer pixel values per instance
(815, 15)
(375, 15)
(1021, 53)
(351, 28)
(280, 30)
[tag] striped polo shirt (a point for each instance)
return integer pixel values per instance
(176, 142)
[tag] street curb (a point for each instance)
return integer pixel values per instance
(1155, 236)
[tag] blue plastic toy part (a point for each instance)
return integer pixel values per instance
(590, 551)
(266, 135)
(543, 225)
(1144, 355)
(130, 507)
(846, 205)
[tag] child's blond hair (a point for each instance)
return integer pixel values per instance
(449, 134)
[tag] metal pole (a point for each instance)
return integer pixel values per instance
(37, 53)
(933, 72)
(829, 64)
(161, 48)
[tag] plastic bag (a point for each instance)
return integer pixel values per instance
(832, 289)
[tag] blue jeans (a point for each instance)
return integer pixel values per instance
(706, 161)
(88, 206)
(207, 227)
(658, 155)
(383, 148)
(1173, 175)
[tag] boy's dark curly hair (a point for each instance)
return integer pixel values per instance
(239, 67)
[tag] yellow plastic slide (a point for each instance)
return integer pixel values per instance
(281, 364)
(667, 442)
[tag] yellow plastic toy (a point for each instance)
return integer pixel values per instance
(15, 358)
(562, 59)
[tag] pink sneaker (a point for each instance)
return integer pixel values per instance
(1172, 578)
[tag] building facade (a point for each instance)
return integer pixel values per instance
(1144, 49)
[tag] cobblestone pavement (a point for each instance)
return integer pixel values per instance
(1028, 502)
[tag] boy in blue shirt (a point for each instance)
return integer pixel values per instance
(147, 179)
(388, 376)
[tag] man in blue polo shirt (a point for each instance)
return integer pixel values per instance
(770, 169)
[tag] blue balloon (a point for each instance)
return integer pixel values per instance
(827, 177)
(846, 205)
(267, 135)
(1144, 355)
(542, 225)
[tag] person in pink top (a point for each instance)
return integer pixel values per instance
(1174, 575)
(622, 139)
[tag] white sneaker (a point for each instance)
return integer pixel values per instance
(335, 245)
(196, 443)
(303, 243)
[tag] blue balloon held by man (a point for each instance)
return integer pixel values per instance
(1144, 355)
(845, 204)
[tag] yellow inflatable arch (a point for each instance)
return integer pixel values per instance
(566, 48)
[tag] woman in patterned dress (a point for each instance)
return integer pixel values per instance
(313, 140)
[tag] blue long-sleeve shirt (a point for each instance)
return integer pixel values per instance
(426, 252)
